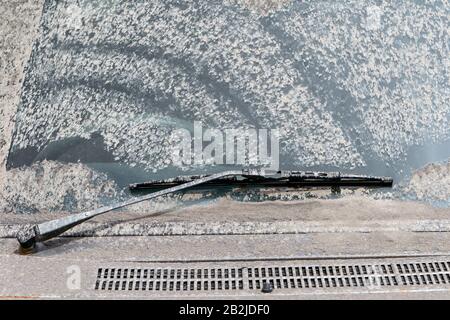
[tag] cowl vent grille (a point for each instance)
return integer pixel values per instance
(299, 276)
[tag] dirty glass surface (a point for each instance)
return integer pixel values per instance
(352, 86)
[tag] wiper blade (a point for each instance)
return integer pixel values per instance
(292, 179)
(47, 230)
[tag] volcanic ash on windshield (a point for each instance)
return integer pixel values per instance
(349, 84)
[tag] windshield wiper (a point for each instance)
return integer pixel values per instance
(292, 179)
(47, 230)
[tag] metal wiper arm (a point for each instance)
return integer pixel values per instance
(47, 230)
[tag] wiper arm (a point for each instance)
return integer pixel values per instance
(47, 230)
(280, 179)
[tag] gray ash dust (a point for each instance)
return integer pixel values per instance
(355, 86)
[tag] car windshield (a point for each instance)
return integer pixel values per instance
(118, 92)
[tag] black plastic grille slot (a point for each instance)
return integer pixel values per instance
(377, 275)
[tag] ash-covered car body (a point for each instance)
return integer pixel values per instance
(98, 93)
